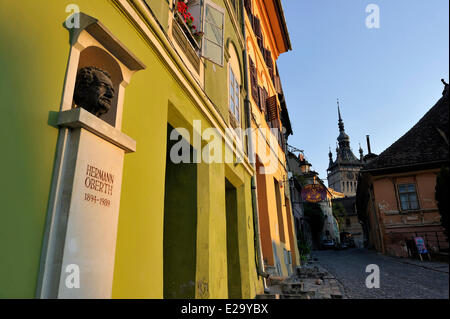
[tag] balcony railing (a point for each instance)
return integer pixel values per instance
(191, 36)
(186, 39)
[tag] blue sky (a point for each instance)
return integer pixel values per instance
(386, 79)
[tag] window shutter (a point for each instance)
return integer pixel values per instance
(213, 28)
(272, 109)
(264, 104)
(269, 62)
(248, 6)
(277, 82)
(256, 25)
(261, 98)
(258, 33)
(253, 80)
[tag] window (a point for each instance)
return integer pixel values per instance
(234, 82)
(408, 196)
(214, 23)
(188, 15)
(234, 95)
(348, 222)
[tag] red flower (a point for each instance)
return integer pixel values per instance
(182, 7)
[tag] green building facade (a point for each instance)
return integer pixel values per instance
(184, 231)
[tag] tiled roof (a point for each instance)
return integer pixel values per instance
(423, 143)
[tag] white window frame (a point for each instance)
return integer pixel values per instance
(234, 94)
(221, 10)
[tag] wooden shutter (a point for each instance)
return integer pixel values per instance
(213, 28)
(264, 105)
(248, 6)
(254, 80)
(272, 108)
(260, 98)
(258, 33)
(277, 82)
(257, 25)
(269, 63)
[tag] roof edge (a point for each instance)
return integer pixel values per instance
(281, 17)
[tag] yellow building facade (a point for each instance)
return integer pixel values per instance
(266, 39)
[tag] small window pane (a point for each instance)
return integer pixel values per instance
(414, 205)
(213, 34)
(214, 16)
(405, 206)
(234, 95)
(412, 197)
(213, 51)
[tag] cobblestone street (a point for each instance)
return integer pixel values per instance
(399, 278)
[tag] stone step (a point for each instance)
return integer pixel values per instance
(272, 280)
(292, 287)
(296, 296)
(268, 296)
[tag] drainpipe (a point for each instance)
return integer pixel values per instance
(259, 259)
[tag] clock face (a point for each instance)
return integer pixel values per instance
(350, 175)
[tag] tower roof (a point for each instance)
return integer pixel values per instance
(343, 137)
(344, 154)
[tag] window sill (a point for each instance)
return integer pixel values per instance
(410, 211)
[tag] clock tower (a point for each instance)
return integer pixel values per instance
(343, 172)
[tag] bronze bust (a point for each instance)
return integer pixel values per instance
(94, 90)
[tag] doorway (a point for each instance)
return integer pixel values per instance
(233, 264)
(180, 226)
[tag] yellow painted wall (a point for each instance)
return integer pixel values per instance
(274, 153)
(31, 88)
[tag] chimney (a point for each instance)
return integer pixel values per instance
(368, 145)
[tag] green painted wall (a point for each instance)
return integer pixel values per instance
(33, 56)
(160, 8)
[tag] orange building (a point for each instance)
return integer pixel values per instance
(396, 190)
(266, 38)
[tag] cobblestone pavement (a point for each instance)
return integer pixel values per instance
(400, 278)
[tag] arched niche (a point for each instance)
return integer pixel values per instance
(92, 44)
(98, 57)
(234, 60)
